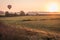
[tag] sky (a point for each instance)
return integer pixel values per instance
(30, 5)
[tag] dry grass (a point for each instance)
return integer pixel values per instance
(29, 17)
(19, 33)
(29, 28)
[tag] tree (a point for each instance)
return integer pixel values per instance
(15, 14)
(27, 14)
(6, 13)
(22, 13)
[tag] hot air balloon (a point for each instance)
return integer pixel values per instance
(9, 6)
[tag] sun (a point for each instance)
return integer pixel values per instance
(53, 7)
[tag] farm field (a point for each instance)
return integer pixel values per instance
(45, 27)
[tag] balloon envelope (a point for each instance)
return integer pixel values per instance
(9, 6)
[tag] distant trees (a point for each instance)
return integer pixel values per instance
(6, 13)
(15, 14)
(10, 14)
(22, 13)
(27, 14)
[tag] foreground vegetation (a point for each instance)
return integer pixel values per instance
(30, 28)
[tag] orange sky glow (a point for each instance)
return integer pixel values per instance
(31, 5)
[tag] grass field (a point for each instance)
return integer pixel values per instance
(47, 27)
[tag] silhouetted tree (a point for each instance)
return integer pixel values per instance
(22, 13)
(27, 14)
(15, 14)
(6, 13)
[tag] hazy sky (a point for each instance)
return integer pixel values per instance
(29, 5)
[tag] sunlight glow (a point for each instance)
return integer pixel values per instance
(53, 7)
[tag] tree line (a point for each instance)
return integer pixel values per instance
(7, 14)
(22, 13)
